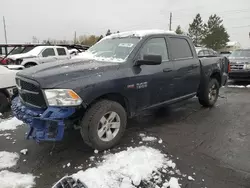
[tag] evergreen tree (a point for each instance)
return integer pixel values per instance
(108, 32)
(196, 30)
(179, 30)
(216, 36)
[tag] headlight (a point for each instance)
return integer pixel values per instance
(247, 66)
(62, 97)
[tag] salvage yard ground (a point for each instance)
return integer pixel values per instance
(195, 146)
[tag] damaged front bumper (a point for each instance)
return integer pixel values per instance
(45, 125)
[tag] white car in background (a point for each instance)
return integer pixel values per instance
(39, 55)
(7, 87)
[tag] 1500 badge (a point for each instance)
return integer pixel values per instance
(138, 85)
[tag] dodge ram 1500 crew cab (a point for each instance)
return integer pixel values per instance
(121, 75)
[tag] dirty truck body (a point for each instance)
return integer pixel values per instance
(117, 78)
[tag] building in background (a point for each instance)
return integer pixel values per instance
(231, 46)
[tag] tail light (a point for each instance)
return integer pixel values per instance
(229, 67)
(4, 61)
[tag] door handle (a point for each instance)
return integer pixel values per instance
(167, 70)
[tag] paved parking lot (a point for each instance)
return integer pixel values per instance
(210, 144)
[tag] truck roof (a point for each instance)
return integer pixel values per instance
(139, 33)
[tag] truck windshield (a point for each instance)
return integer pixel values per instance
(113, 49)
(240, 53)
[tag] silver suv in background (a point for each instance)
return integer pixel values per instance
(39, 55)
(240, 65)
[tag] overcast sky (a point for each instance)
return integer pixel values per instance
(59, 19)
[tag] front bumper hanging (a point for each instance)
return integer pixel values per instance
(45, 125)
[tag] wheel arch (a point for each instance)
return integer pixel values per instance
(117, 97)
(30, 63)
(216, 75)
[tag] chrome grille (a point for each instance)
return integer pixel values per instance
(236, 66)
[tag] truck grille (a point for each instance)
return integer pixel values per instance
(235, 66)
(30, 93)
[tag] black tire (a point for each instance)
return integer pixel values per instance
(91, 120)
(4, 103)
(204, 96)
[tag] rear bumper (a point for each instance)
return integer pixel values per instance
(45, 125)
(240, 75)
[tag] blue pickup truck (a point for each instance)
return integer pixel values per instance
(118, 77)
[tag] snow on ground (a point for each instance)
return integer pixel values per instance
(24, 151)
(147, 138)
(127, 169)
(238, 86)
(12, 179)
(16, 180)
(8, 159)
(10, 124)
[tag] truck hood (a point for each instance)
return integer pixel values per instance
(239, 59)
(8, 76)
(50, 75)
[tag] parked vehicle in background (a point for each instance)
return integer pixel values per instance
(205, 52)
(39, 55)
(75, 49)
(240, 65)
(7, 87)
(225, 53)
(118, 77)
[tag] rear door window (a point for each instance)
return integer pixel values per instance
(180, 48)
(61, 51)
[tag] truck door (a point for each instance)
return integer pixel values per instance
(158, 78)
(48, 55)
(61, 54)
(186, 66)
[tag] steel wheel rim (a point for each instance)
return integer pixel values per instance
(109, 126)
(212, 93)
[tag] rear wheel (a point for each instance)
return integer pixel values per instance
(4, 103)
(210, 93)
(104, 124)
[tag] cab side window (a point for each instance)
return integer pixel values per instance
(155, 46)
(48, 52)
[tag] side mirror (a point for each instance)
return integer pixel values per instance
(150, 60)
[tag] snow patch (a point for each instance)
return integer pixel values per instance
(5, 134)
(160, 141)
(236, 86)
(171, 164)
(24, 151)
(138, 33)
(190, 178)
(96, 151)
(173, 183)
(122, 168)
(10, 124)
(8, 159)
(148, 138)
(16, 180)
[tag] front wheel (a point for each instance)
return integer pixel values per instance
(104, 124)
(210, 93)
